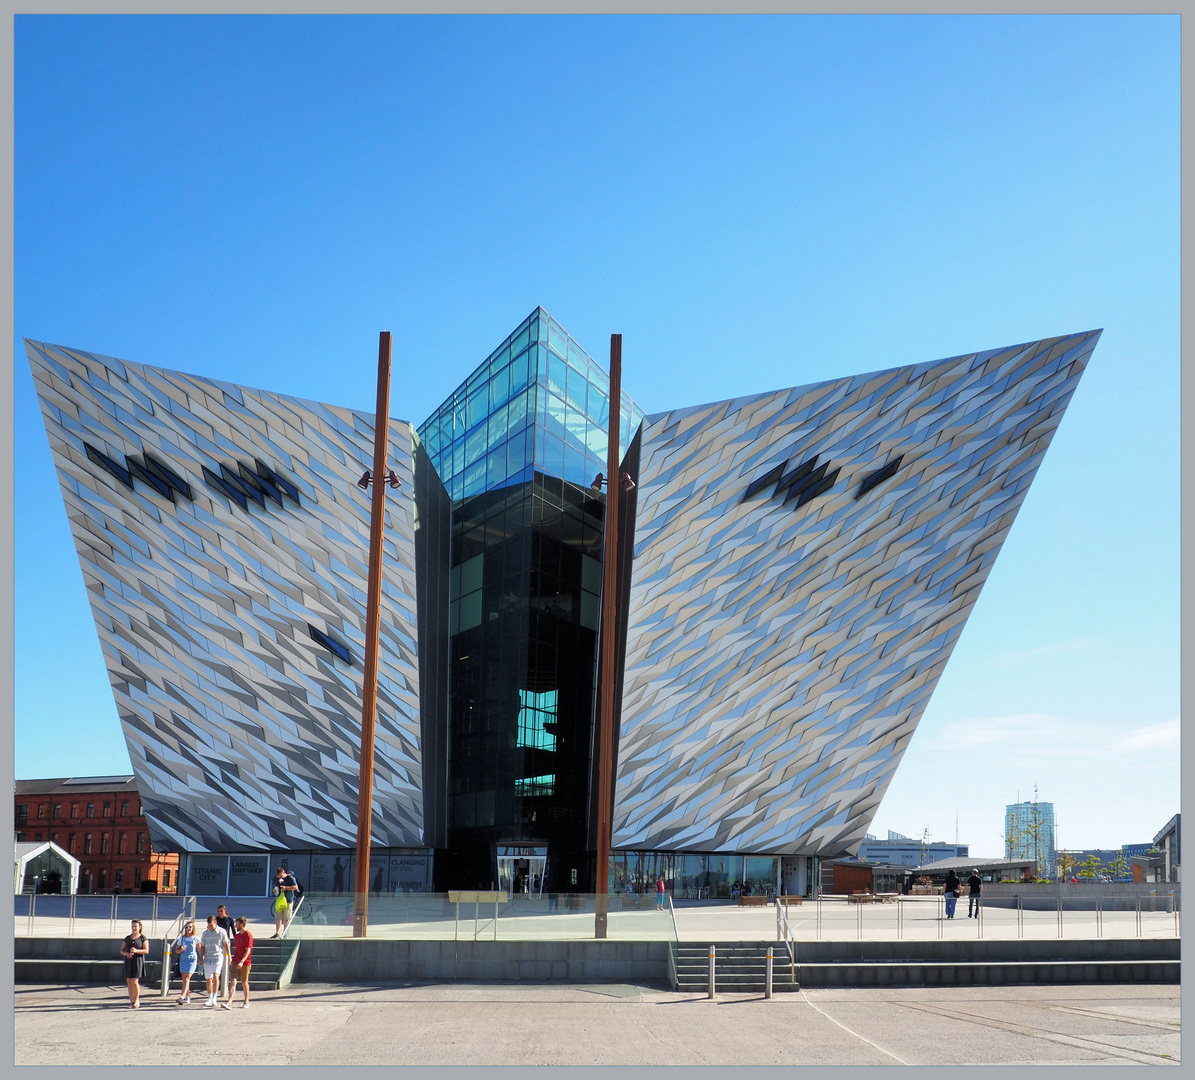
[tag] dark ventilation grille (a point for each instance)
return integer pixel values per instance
(800, 484)
(770, 477)
(163, 480)
(823, 485)
(879, 476)
(334, 647)
(245, 483)
(150, 471)
(219, 484)
(105, 462)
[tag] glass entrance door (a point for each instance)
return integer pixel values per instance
(521, 869)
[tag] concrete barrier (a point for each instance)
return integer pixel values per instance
(1113, 895)
(347, 959)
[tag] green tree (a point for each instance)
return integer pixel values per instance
(1090, 867)
(1066, 864)
(1119, 867)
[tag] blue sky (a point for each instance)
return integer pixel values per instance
(753, 203)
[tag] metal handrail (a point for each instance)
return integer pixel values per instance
(675, 931)
(785, 935)
(180, 921)
(293, 915)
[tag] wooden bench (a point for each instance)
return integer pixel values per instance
(790, 901)
(753, 901)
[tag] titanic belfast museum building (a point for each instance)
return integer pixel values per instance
(795, 568)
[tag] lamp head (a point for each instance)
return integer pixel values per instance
(365, 480)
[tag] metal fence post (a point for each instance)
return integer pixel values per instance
(112, 917)
(1060, 914)
(71, 923)
(711, 988)
(941, 913)
(1020, 917)
(1099, 916)
(767, 982)
(32, 906)
(155, 916)
(900, 918)
(979, 916)
(1138, 906)
(859, 921)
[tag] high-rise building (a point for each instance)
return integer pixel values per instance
(1029, 834)
(796, 568)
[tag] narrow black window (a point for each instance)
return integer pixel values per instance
(879, 476)
(331, 645)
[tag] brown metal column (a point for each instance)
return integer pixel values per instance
(609, 632)
(369, 692)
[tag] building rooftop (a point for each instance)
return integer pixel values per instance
(967, 863)
(76, 785)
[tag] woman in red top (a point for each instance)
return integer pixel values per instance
(242, 959)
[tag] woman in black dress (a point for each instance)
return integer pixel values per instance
(134, 949)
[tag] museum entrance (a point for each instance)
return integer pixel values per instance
(521, 869)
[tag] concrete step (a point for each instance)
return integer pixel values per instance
(990, 973)
(70, 972)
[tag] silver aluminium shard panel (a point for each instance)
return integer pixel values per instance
(215, 525)
(781, 647)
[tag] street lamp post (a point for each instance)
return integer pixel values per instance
(379, 478)
(606, 658)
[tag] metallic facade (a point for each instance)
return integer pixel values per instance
(243, 729)
(803, 563)
(794, 597)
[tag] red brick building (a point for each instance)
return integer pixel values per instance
(98, 820)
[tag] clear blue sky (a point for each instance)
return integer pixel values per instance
(753, 203)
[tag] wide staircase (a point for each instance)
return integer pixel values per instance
(69, 961)
(273, 964)
(739, 968)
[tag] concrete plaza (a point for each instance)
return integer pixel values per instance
(624, 1025)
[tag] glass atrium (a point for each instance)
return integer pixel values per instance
(537, 402)
(517, 446)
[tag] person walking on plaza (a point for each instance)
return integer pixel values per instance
(242, 959)
(976, 884)
(660, 891)
(224, 922)
(186, 948)
(286, 895)
(133, 949)
(213, 948)
(953, 884)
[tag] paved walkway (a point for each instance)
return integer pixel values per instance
(626, 1026)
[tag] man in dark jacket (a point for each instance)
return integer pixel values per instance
(976, 884)
(953, 884)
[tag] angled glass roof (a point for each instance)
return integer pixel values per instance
(539, 401)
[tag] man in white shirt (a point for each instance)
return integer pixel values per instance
(213, 948)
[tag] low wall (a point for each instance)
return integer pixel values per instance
(1114, 896)
(349, 959)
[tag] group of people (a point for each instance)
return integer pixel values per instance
(226, 940)
(953, 890)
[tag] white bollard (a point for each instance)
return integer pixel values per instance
(712, 951)
(767, 981)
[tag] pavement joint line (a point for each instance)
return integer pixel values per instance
(1097, 1015)
(862, 1038)
(1139, 1057)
